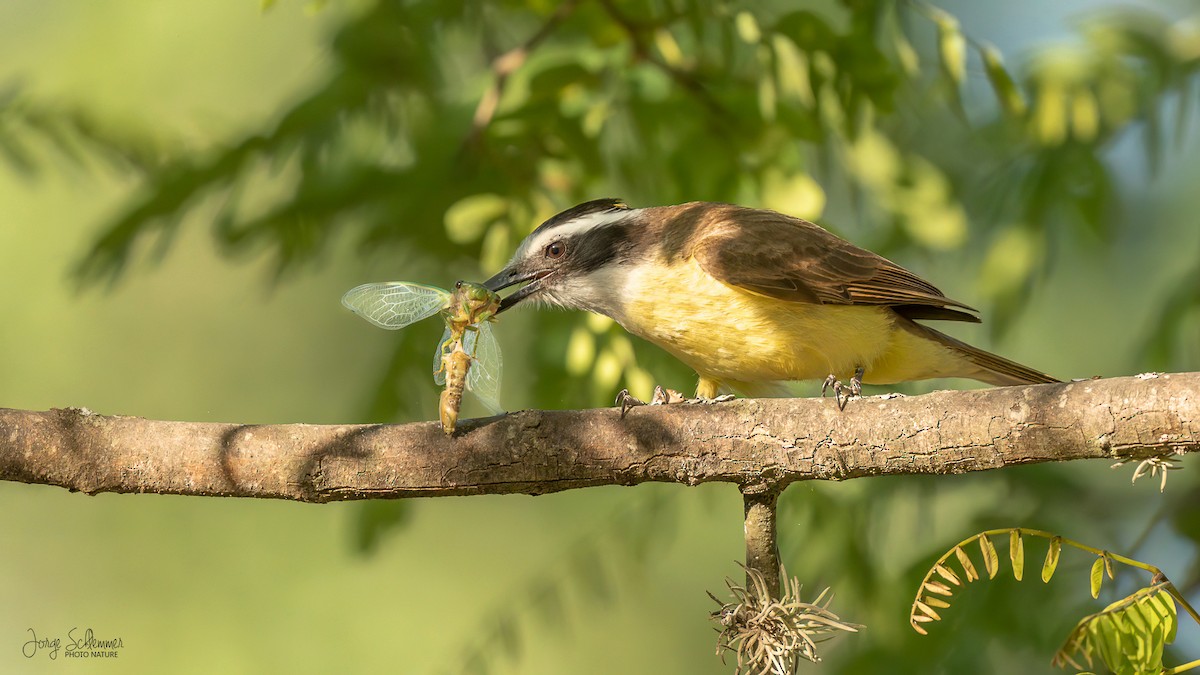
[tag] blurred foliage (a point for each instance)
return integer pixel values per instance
(30, 131)
(445, 131)
(451, 129)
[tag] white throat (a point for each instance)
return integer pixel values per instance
(606, 291)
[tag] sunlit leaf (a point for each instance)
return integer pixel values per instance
(1016, 553)
(991, 561)
(938, 587)
(965, 561)
(1085, 115)
(1097, 576)
(1051, 559)
(1010, 97)
(469, 217)
(952, 48)
(928, 611)
(1129, 635)
(947, 574)
(747, 27)
(1050, 113)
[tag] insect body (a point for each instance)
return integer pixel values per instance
(467, 355)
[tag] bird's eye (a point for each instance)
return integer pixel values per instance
(555, 250)
(458, 284)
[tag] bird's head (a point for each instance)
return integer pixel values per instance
(565, 260)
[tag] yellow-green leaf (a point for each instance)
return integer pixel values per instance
(1085, 115)
(947, 574)
(965, 561)
(1051, 559)
(928, 611)
(468, 218)
(747, 27)
(1097, 576)
(936, 602)
(1010, 97)
(952, 47)
(1108, 567)
(938, 587)
(991, 561)
(1016, 553)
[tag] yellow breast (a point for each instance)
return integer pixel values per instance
(731, 335)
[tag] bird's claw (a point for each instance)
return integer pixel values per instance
(627, 401)
(843, 393)
(662, 396)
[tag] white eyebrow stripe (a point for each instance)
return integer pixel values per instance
(573, 227)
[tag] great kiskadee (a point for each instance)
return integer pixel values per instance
(749, 298)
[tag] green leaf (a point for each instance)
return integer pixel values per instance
(928, 611)
(952, 47)
(1016, 553)
(469, 217)
(965, 561)
(947, 574)
(1097, 576)
(1010, 97)
(991, 561)
(938, 587)
(1051, 559)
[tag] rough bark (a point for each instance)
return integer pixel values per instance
(761, 445)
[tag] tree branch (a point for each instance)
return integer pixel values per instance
(761, 445)
(762, 535)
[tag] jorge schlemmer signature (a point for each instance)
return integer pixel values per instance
(78, 644)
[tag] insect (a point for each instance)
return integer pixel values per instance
(467, 354)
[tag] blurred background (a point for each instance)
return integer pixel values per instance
(187, 188)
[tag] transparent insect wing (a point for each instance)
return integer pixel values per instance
(395, 305)
(445, 346)
(483, 379)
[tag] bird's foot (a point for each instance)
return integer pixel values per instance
(663, 396)
(843, 393)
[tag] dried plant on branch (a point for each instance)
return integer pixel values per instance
(770, 635)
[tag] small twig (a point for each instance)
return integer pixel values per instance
(507, 63)
(641, 50)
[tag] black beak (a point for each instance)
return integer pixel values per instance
(510, 277)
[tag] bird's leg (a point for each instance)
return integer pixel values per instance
(842, 393)
(716, 399)
(707, 392)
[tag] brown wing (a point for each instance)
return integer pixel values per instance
(791, 259)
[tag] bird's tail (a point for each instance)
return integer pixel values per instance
(991, 368)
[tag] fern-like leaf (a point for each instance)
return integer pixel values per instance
(1129, 635)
